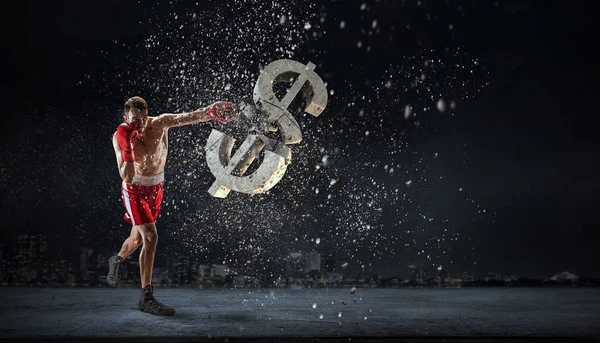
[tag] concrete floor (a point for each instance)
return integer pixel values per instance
(480, 314)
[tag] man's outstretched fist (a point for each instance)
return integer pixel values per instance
(221, 111)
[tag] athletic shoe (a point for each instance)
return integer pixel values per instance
(113, 269)
(148, 303)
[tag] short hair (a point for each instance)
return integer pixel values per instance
(135, 102)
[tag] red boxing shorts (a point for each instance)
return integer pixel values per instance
(142, 198)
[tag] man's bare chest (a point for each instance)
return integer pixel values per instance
(152, 145)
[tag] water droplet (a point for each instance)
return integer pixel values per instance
(441, 105)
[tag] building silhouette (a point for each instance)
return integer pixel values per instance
(30, 250)
(469, 276)
(295, 265)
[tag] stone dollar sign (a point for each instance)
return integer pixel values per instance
(307, 82)
(229, 170)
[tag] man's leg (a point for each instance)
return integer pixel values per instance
(147, 302)
(131, 243)
(149, 240)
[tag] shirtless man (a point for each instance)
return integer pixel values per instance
(141, 145)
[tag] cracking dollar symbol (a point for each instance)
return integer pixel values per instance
(306, 81)
(229, 170)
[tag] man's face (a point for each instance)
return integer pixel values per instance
(137, 118)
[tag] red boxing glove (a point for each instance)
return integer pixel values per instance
(125, 133)
(221, 111)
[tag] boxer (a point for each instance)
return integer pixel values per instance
(141, 145)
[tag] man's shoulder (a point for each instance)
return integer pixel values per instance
(115, 136)
(151, 120)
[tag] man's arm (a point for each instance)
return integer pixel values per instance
(221, 111)
(126, 169)
(167, 120)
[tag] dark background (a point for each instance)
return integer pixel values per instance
(512, 188)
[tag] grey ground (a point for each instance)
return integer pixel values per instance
(288, 313)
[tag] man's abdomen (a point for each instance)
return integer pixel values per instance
(151, 166)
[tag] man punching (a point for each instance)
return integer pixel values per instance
(141, 145)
